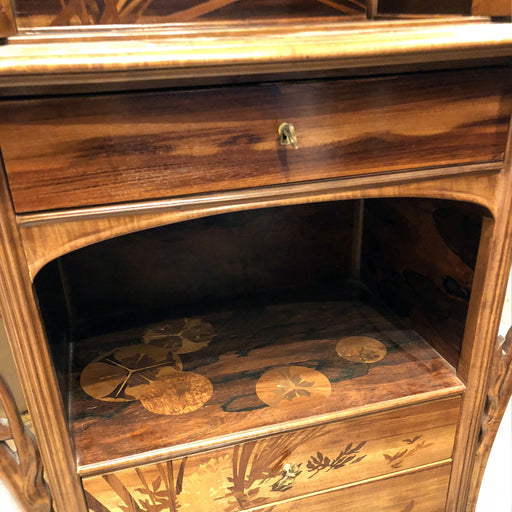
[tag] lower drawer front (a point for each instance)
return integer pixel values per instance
(284, 466)
(420, 491)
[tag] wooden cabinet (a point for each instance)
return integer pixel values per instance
(258, 266)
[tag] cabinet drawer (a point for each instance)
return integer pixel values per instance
(288, 465)
(93, 150)
(421, 491)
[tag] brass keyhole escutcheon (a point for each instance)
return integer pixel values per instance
(287, 135)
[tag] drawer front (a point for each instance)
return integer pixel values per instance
(420, 491)
(285, 466)
(93, 150)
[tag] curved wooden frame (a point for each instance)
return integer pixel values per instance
(49, 235)
(23, 471)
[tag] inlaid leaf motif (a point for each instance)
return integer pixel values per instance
(349, 455)
(181, 336)
(123, 374)
(281, 386)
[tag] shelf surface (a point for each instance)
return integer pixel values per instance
(184, 385)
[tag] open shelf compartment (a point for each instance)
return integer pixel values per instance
(219, 330)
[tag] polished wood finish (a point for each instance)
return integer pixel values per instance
(491, 8)
(422, 491)
(108, 149)
(447, 65)
(430, 277)
(22, 470)
(7, 19)
(327, 456)
(242, 404)
(51, 234)
(100, 60)
(33, 363)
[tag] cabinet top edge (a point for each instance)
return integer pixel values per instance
(135, 54)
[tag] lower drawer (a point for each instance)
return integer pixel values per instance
(420, 491)
(284, 466)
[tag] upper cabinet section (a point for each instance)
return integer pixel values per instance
(64, 13)
(44, 13)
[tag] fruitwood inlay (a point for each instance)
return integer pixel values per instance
(421, 491)
(91, 150)
(285, 466)
(39, 13)
(253, 353)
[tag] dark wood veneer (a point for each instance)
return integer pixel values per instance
(90, 150)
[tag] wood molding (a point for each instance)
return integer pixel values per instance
(34, 366)
(23, 471)
(135, 54)
(47, 236)
(7, 19)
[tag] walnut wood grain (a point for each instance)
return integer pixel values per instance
(421, 254)
(327, 456)
(71, 152)
(491, 8)
(235, 410)
(7, 19)
(304, 243)
(489, 288)
(22, 471)
(27, 340)
(419, 491)
(51, 234)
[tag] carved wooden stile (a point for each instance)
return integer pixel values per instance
(498, 395)
(22, 471)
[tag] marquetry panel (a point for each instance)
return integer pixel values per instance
(421, 491)
(214, 378)
(286, 466)
(34, 13)
(78, 151)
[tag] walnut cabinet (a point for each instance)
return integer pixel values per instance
(254, 255)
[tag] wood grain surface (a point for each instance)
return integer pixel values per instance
(7, 19)
(68, 152)
(420, 254)
(103, 60)
(43, 13)
(491, 8)
(421, 491)
(248, 343)
(302, 250)
(21, 471)
(255, 473)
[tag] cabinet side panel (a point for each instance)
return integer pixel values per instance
(420, 255)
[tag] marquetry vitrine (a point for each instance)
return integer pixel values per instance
(254, 253)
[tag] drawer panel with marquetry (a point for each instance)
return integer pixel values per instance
(285, 466)
(102, 149)
(419, 491)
